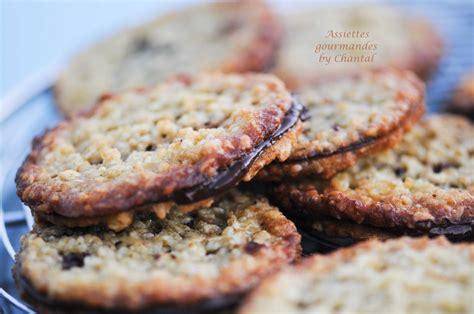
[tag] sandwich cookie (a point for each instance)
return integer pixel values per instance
(348, 118)
(425, 184)
(177, 144)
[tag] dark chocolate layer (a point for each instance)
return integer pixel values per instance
(467, 112)
(323, 242)
(316, 242)
(349, 148)
(231, 176)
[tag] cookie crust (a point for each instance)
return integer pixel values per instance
(182, 141)
(348, 118)
(404, 275)
(211, 253)
(414, 44)
(423, 183)
(231, 37)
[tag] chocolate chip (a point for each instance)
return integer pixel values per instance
(252, 247)
(212, 252)
(437, 168)
(150, 148)
(156, 256)
(156, 226)
(441, 166)
(336, 127)
(400, 171)
(71, 260)
(117, 244)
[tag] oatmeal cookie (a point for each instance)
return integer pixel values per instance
(397, 276)
(462, 101)
(425, 182)
(387, 36)
(348, 118)
(180, 142)
(213, 253)
(236, 36)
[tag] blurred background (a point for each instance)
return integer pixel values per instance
(38, 37)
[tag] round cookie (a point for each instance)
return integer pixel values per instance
(209, 255)
(348, 118)
(231, 37)
(355, 38)
(397, 276)
(424, 183)
(181, 142)
(462, 101)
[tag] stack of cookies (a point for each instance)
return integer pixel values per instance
(151, 196)
(135, 204)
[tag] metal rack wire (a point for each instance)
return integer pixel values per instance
(453, 23)
(5, 219)
(22, 96)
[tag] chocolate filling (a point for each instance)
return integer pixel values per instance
(44, 304)
(466, 110)
(231, 176)
(349, 148)
(320, 241)
(315, 242)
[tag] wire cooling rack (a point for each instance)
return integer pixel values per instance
(19, 121)
(29, 109)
